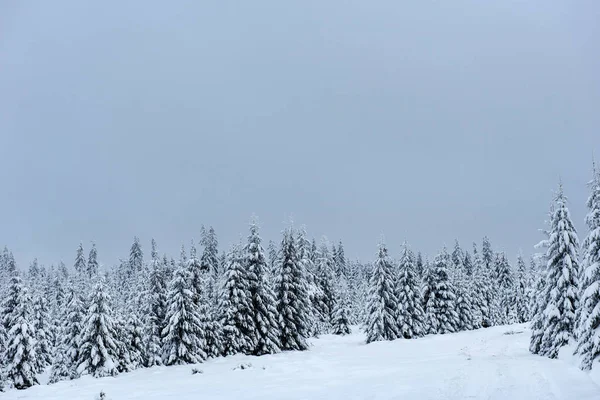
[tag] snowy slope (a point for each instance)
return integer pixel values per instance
(483, 364)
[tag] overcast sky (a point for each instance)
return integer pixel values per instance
(428, 122)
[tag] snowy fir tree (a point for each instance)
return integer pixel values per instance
(20, 355)
(43, 334)
(588, 334)
(136, 257)
(292, 296)
(210, 256)
(440, 311)
(561, 280)
(520, 291)
(341, 319)
(92, 264)
(236, 306)
(325, 278)
(98, 339)
(410, 310)
(382, 319)
(156, 298)
(80, 265)
(183, 335)
(505, 284)
(263, 308)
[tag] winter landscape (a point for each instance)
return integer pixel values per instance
(299, 200)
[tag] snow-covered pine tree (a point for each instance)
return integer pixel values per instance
(272, 250)
(210, 256)
(236, 306)
(440, 309)
(136, 257)
(72, 327)
(92, 264)
(382, 308)
(589, 317)
(20, 356)
(419, 265)
(341, 321)
(292, 296)
(506, 288)
(326, 280)
(156, 298)
(264, 312)
(410, 310)
(134, 338)
(98, 354)
(561, 280)
(340, 260)
(80, 265)
(43, 334)
(521, 287)
(183, 336)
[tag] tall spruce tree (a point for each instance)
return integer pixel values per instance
(264, 311)
(410, 310)
(236, 306)
(561, 280)
(440, 309)
(382, 308)
(92, 264)
(183, 336)
(292, 296)
(521, 288)
(98, 339)
(136, 257)
(80, 265)
(589, 317)
(20, 356)
(325, 273)
(156, 297)
(43, 333)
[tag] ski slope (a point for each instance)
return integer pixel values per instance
(483, 364)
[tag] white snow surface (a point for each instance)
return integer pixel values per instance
(483, 364)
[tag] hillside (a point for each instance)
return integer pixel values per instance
(482, 364)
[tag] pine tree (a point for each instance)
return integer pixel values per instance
(441, 303)
(264, 313)
(43, 334)
(340, 260)
(236, 306)
(521, 287)
(72, 329)
(410, 310)
(98, 339)
(92, 264)
(325, 279)
(382, 319)
(136, 257)
(341, 320)
(183, 337)
(292, 295)
(210, 256)
(505, 284)
(80, 265)
(561, 280)
(156, 298)
(589, 317)
(419, 265)
(20, 356)
(134, 341)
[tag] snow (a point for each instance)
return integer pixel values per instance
(491, 363)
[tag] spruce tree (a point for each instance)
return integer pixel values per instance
(561, 280)
(210, 256)
(521, 287)
(440, 309)
(292, 297)
(80, 265)
(43, 334)
(136, 257)
(98, 354)
(236, 306)
(20, 356)
(264, 312)
(92, 264)
(183, 336)
(506, 291)
(156, 298)
(382, 308)
(589, 317)
(325, 275)
(341, 320)
(410, 310)
(71, 330)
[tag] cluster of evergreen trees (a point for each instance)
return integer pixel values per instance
(567, 288)
(88, 320)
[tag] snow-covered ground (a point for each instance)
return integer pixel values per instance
(483, 364)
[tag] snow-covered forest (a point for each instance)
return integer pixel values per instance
(260, 298)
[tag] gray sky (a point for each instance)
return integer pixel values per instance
(429, 122)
